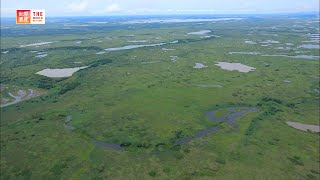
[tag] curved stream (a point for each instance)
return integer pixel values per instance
(229, 118)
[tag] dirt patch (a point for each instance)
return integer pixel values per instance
(304, 127)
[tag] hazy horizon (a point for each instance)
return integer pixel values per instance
(143, 7)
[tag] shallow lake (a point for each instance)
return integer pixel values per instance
(295, 57)
(36, 44)
(138, 46)
(100, 52)
(310, 46)
(235, 67)
(251, 53)
(41, 55)
(202, 32)
(199, 66)
(303, 127)
(250, 42)
(59, 73)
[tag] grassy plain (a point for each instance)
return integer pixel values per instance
(147, 107)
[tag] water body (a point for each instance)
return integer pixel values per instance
(41, 55)
(59, 73)
(249, 42)
(202, 32)
(21, 95)
(231, 116)
(228, 118)
(312, 41)
(138, 46)
(251, 53)
(109, 145)
(266, 34)
(68, 119)
(199, 66)
(36, 44)
(235, 67)
(295, 57)
(283, 48)
(138, 41)
(209, 36)
(197, 135)
(150, 62)
(69, 127)
(303, 127)
(100, 52)
(270, 42)
(310, 46)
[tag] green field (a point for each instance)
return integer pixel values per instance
(142, 101)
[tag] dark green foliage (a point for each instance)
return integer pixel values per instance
(48, 83)
(58, 168)
(100, 62)
(152, 173)
(311, 176)
(296, 160)
(267, 99)
(178, 155)
(291, 105)
(26, 174)
(314, 171)
(126, 144)
(179, 134)
(221, 160)
(68, 87)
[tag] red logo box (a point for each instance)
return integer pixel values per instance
(23, 17)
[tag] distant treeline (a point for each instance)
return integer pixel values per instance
(100, 62)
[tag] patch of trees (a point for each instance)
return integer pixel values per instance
(100, 62)
(68, 87)
(48, 83)
(152, 173)
(255, 121)
(268, 99)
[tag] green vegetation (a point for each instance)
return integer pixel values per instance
(142, 101)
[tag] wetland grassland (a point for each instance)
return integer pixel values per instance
(145, 112)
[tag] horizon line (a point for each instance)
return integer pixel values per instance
(182, 14)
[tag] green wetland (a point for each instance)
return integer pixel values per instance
(188, 97)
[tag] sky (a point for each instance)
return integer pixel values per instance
(157, 7)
